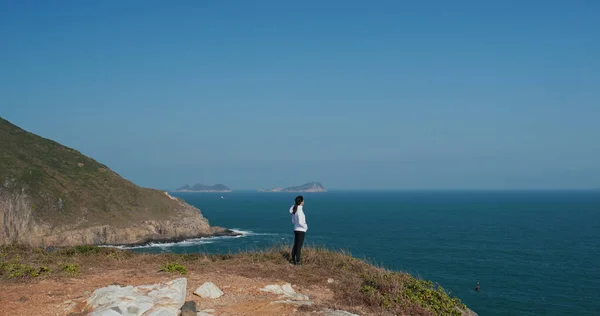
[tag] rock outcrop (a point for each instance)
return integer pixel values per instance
(148, 300)
(287, 294)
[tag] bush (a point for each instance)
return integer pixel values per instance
(432, 297)
(19, 270)
(173, 267)
(71, 268)
(83, 250)
(367, 289)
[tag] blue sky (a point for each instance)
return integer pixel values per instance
(356, 94)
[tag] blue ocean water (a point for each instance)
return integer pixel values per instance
(534, 253)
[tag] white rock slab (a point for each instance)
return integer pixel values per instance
(286, 291)
(273, 288)
(329, 312)
(162, 299)
(292, 302)
(208, 290)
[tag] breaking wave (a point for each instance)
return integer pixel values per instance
(191, 242)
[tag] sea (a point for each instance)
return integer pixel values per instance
(533, 252)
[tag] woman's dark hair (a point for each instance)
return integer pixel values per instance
(298, 201)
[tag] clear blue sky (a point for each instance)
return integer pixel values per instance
(356, 94)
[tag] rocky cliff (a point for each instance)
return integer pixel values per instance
(52, 195)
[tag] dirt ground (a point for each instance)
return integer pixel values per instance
(242, 295)
(57, 282)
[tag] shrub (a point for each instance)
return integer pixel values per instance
(83, 250)
(71, 268)
(367, 289)
(432, 297)
(19, 270)
(173, 267)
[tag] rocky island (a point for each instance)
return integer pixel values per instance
(52, 195)
(204, 188)
(307, 187)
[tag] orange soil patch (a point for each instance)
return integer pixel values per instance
(60, 297)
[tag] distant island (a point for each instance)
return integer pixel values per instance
(204, 188)
(307, 187)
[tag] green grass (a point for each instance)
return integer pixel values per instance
(83, 250)
(15, 269)
(173, 268)
(432, 296)
(71, 268)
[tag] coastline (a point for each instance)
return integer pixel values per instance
(218, 232)
(203, 191)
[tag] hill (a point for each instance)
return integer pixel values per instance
(307, 187)
(52, 195)
(204, 188)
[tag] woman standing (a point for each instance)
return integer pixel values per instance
(300, 228)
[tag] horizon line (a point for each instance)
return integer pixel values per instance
(416, 189)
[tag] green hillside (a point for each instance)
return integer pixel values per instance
(65, 187)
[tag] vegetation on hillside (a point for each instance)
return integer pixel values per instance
(65, 187)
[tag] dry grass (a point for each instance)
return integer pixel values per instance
(358, 286)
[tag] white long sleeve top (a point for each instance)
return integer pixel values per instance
(298, 219)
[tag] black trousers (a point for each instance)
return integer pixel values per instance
(297, 249)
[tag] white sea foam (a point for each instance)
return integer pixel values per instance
(183, 243)
(170, 196)
(245, 233)
(191, 242)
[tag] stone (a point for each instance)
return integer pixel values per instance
(209, 310)
(208, 290)
(330, 312)
(204, 314)
(68, 306)
(287, 294)
(189, 309)
(273, 288)
(161, 299)
(292, 302)
(330, 280)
